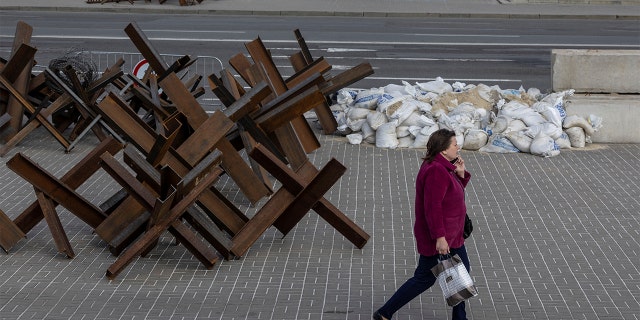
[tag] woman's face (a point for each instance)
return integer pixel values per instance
(452, 150)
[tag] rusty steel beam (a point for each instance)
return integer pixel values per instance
(74, 178)
(55, 226)
(56, 190)
(30, 108)
(193, 244)
(262, 58)
(10, 234)
(21, 83)
(295, 181)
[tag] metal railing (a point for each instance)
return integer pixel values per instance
(204, 66)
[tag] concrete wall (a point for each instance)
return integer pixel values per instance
(596, 71)
(591, 72)
(620, 115)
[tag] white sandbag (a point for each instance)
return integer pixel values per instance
(515, 125)
(413, 120)
(551, 98)
(368, 134)
(480, 114)
(498, 143)
(337, 107)
(546, 128)
(386, 101)
(424, 96)
(559, 105)
(460, 138)
(439, 113)
(552, 130)
(544, 146)
(411, 90)
(475, 139)
(395, 89)
(405, 142)
(355, 125)
(563, 141)
(415, 130)
(485, 92)
(464, 114)
(513, 109)
(534, 93)
(577, 121)
(556, 99)
(462, 121)
(402, 111)
(341, 120)
(595, 121)
(402, 131)
(444, 122)
(355, 138)
(576, 137)
(367, 99)
(346, 96)
(386, 135)
(423, 136)
(341, 117)
(458, 86)
(437, 86)
(355, 113)
(520, 140)
(420, 141)
(550, 113)
(422, 106)
(376, 119)
(531, 118)
(469, 86)
(500, 124)
(343, 130)
(512, 93)
(465, 108)
(425, 121)
(486, 117)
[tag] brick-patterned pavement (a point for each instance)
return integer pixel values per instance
(555, 238)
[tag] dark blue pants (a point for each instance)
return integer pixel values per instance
(422, 280)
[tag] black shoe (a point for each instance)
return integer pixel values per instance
(377, 316)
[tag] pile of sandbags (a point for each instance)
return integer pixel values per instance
(487, 119)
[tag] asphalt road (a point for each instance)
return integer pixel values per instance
(555, 238)
(505, 52)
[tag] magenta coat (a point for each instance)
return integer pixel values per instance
(440, 207)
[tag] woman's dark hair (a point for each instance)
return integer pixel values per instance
(438, 142)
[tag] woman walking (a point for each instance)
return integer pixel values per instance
(439, 223)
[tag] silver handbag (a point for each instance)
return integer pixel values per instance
(455, 281)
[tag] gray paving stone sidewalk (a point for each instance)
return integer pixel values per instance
(555, 238)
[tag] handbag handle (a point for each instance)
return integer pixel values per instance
(444, 257)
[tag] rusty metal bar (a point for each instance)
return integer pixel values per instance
(206, 256)
(55, 226)
(10, 234)
(56, 190)
(75, 177)
(261, 56)
(295, 182)
(304, 49)
(21, 83)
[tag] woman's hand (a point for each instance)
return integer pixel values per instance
(460, 168)
(442, 246)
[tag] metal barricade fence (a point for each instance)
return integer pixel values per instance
(204, 66)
